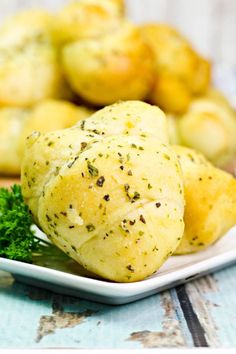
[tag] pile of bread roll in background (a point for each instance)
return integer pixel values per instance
(111, 179)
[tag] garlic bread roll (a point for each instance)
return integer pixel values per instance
(131, 118)
(125, 118)
(117, 66)
(11, 123)
(29, 67)
(50, 115)
(114, 203)
(209, 126)
(170, 94)
(180, 72)
(88, 19)
(17, 123)
(210, 197)
(128, 118)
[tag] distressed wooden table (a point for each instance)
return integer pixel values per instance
(201, 313)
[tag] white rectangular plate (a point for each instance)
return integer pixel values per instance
(67, 277)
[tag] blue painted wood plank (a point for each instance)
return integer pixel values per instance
(214, 300)
(32, 317)
(36, 318)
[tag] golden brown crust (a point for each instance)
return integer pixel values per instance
(17, 123)
(210, 201)
(180, 71)
(29, 68)
(210, 127)
(11, 124)
(88, 19)
(118, 66)
(170, 93)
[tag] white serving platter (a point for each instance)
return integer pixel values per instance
(61, 274)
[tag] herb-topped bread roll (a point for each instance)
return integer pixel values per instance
(210, 197)
(209, 126)
(29, 63)
(50, 115)
(128, 118)
(88, 19)
(116, 66)
(11, 122)
(180, 73)
(110, 196)
(17, 123)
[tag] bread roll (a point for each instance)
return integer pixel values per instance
(48, 114)
(11, 122)
(180, 73)
(111, 199)
(88, 19)
(17, 123)
(210, 197)
(209, 126)
(117, 66)
(29, 67)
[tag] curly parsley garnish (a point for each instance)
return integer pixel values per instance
(17, 239)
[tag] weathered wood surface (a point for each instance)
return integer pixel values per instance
(209, 24)
(199, 314)
(6, 182)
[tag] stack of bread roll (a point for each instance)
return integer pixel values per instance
(90, 54)
(117, 186)
(114, 195)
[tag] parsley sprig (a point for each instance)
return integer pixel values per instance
(17, 239)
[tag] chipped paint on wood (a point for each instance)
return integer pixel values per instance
(55, 321)
(202, 306)
(221, 306)
(193, 323)
(60, 320)
(170, 336)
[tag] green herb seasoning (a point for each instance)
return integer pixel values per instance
(90, 227)
(93, 171)
(51, 143)
(82, 125)
(100, 181)
(130, 268)
(83, 145)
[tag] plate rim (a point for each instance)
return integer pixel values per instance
(112, 289)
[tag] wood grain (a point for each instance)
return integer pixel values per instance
(201, 313)
(7, 182)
